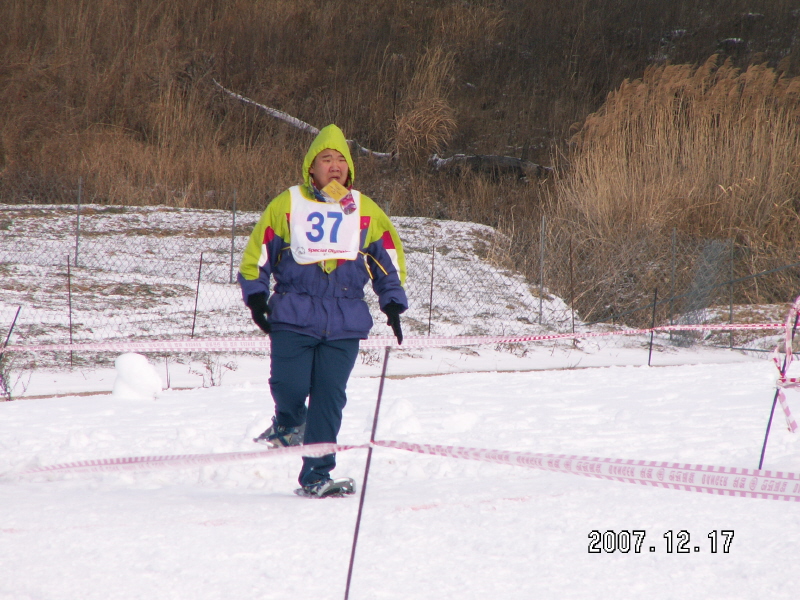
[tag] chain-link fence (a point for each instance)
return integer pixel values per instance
(103, 273)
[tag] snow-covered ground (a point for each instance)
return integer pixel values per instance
(432, 527)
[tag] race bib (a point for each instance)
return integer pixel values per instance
(321, 230)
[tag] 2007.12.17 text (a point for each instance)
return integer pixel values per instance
(625, 541)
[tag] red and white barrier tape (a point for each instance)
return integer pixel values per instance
(147, 463)
(725, 481)
(260, 343)
(697, 478)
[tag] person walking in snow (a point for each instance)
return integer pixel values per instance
(321, 242)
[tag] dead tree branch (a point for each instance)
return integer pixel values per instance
(280, 115)
(493, 165)
(302, 125)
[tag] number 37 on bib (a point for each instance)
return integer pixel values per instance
(321, 231)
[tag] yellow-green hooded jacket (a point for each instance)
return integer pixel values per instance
(326, 299)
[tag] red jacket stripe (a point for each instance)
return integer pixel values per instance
(388, 242)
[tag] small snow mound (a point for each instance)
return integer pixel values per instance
(136, 378)
(400, 419)
(460, 422)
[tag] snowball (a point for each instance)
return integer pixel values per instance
(136, 378)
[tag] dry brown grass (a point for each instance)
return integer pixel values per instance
(426, 122)
(130, 80)
(119, 92)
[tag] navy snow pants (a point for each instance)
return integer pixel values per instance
(306, 367)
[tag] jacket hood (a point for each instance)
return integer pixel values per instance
(330, 137)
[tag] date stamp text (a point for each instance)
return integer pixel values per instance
(625, 541)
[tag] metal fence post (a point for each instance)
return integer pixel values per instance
(430, 302)
(78, 221)
(730, 316)
(197, 293)
(69, 304)
(571, 288)
(541, 268)
(233, 232)
(672, 283)
(652, 325)
(6, 387)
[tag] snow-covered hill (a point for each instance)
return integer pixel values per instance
(139, 276)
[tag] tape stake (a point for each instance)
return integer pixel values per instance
(783, 366)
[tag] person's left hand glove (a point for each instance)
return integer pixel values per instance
(257, 303)
(392, 312)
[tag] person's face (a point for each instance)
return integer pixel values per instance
(329, 165)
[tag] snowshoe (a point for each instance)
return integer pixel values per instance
(278, 436)
(328, 488)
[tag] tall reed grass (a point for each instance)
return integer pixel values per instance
(705, 151)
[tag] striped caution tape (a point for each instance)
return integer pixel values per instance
(149, 463)
(262, 343)
(790, 422)
(698, 478)
(725, 481)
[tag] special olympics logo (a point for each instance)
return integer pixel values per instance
(660, 474)
(301, 250)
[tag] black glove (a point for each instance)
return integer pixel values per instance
(392, 312)
(257, 303)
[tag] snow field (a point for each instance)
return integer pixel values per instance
(432, 527)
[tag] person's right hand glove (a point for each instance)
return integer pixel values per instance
(257, 303)
(392, 312)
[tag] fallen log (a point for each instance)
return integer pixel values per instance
(490, 165)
